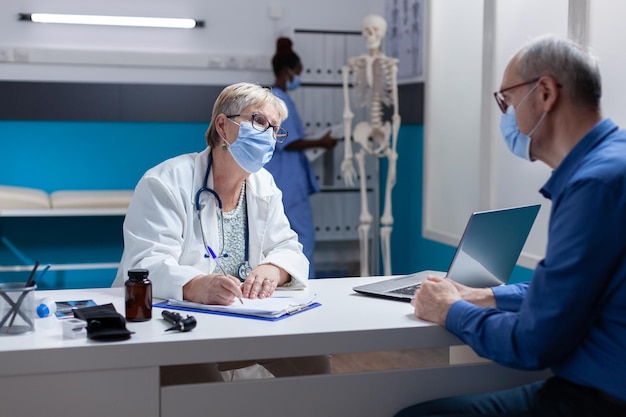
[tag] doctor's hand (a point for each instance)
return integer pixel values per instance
(434, 298)
(263, 280)
(212, 289)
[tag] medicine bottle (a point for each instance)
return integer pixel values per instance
(46, 307)
(138, 295)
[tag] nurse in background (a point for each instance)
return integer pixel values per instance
(289, 166)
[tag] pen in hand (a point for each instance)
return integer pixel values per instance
(219, 265)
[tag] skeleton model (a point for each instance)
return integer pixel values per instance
(375, 86)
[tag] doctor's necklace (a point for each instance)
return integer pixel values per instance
(243, 269)
(236, 243)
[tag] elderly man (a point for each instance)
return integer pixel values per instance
(571, 318)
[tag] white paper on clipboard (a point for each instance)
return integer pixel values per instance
(336, 131)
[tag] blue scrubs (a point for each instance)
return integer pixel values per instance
(295, 178)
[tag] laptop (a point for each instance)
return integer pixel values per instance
(485, 256)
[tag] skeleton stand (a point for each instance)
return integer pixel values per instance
(375, 86)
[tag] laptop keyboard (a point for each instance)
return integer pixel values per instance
(410, 290)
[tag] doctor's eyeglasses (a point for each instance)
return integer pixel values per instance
(260, 123)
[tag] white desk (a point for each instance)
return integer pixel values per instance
(44, 373)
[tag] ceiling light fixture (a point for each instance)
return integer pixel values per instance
(75, 19)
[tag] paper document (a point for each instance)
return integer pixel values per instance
(336, 131)
(267, 307)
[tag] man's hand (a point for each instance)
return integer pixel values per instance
(482, 297)
(434, 298)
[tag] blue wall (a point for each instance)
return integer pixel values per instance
(113, 155)
(411, 252)
(89, 155)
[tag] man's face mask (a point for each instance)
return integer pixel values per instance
(252, 149)
(517, 142)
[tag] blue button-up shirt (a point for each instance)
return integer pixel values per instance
(571, 317)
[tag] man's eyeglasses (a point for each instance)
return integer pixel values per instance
(500, 98)
(260, 123)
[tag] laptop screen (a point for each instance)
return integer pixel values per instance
(491, 244)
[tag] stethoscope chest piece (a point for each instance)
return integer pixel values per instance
(244, 270)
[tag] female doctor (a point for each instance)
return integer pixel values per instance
(220, 202)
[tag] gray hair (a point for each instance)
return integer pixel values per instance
(236, 98)
(574, 68)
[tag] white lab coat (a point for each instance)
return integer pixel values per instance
(162, 232)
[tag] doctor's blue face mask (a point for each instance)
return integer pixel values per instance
(252, 149)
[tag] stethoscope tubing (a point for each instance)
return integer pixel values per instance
(244, 268)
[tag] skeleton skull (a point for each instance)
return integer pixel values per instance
(374, 28)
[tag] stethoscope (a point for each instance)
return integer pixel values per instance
(244, 268)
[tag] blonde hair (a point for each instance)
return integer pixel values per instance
(237, 97)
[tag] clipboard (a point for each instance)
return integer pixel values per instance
(207, 310)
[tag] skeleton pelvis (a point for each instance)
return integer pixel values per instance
(372, 139)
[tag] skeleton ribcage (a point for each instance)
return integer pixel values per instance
(377, 94)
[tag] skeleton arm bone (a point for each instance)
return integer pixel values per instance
(395, 118)
(347, 165)
(391, 154)
(386, 219)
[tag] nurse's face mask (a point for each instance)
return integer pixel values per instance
(294, 82)
(255, 142)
